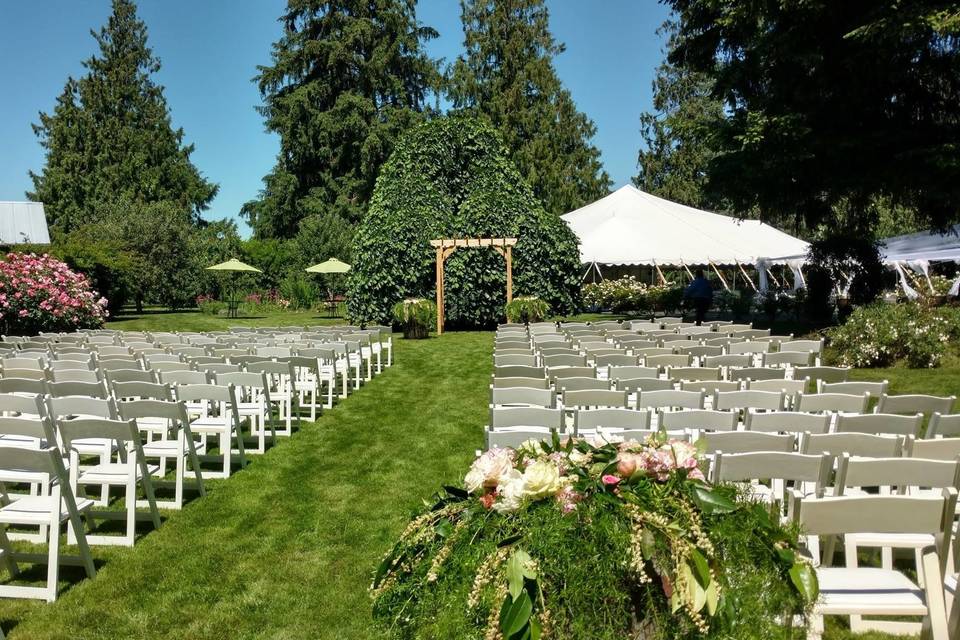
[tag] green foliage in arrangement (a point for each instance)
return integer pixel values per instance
(416, 316)
(527, 309)
(571, 541)
(881, 335)
(507, 75)
(451, 177)
(346, 79)
(110, 138)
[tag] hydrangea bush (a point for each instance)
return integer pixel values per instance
(880, 335)
(573, 540)
(41, 293)
(627, 294)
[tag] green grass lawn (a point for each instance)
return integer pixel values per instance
(161, 320)
(285, 548)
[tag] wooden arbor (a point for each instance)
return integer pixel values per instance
(446, 246)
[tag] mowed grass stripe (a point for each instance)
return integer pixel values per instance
(285, 549)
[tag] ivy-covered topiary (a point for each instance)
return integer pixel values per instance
(451, 178)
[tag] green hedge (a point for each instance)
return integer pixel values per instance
(451, 177)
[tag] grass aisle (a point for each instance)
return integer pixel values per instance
(285, 549)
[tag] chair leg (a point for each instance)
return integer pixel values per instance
(178, 481)
(148, 492)
(953, 624)
(131, 500)
(53, 553)
(6, 550)
(852, 562)
(194, 462)
(815, 626)
(936, 619)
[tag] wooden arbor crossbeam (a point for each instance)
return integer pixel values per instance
(446, 246)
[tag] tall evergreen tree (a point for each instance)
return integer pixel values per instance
(507, 74)
(110, 138)
(676, 133)
(831, 105)
(347, 77)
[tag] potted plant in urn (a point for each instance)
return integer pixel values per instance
(416, 316)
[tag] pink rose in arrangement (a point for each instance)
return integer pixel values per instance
(509, 480)
(41, 293)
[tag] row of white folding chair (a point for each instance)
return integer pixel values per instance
(810, 474)
(84, 426)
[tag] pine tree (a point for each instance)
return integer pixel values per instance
(507, 74)
(677, 153)
(347, 77)
(110, 139)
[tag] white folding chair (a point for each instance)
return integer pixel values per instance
(878, 591)
(129, 471)
(49, 510)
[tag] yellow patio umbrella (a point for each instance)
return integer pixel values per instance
(330, 266)
(233, 265)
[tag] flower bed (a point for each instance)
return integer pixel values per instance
(572, 540)
(40, 293)
(880, 335)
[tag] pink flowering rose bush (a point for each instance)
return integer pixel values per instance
(574, 539)
(41, 293)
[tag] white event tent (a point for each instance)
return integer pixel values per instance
(631, 227)
(917, 251)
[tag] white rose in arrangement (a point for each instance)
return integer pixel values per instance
(580, 459)
(510, 492)
(487, 470)
(531, 447)
(541, 479)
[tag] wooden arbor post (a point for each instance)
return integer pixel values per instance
(446, 246)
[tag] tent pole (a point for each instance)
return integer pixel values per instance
(687, 269)
(660, 273)
(746, 277)
(773, 277)
(586, 273)
(720, 275)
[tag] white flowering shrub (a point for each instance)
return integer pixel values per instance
(881, 335)
(629, 294)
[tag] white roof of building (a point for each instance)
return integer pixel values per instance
(631, 227)
(23, 223)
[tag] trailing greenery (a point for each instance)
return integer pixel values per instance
(451, 177)
(507, 75)
(880, 335)
(416, 316)
(570, 541)
(527, 309)
(345, 80)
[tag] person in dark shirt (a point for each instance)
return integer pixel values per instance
(700, 293)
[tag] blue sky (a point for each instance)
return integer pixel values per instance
(209, 50)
